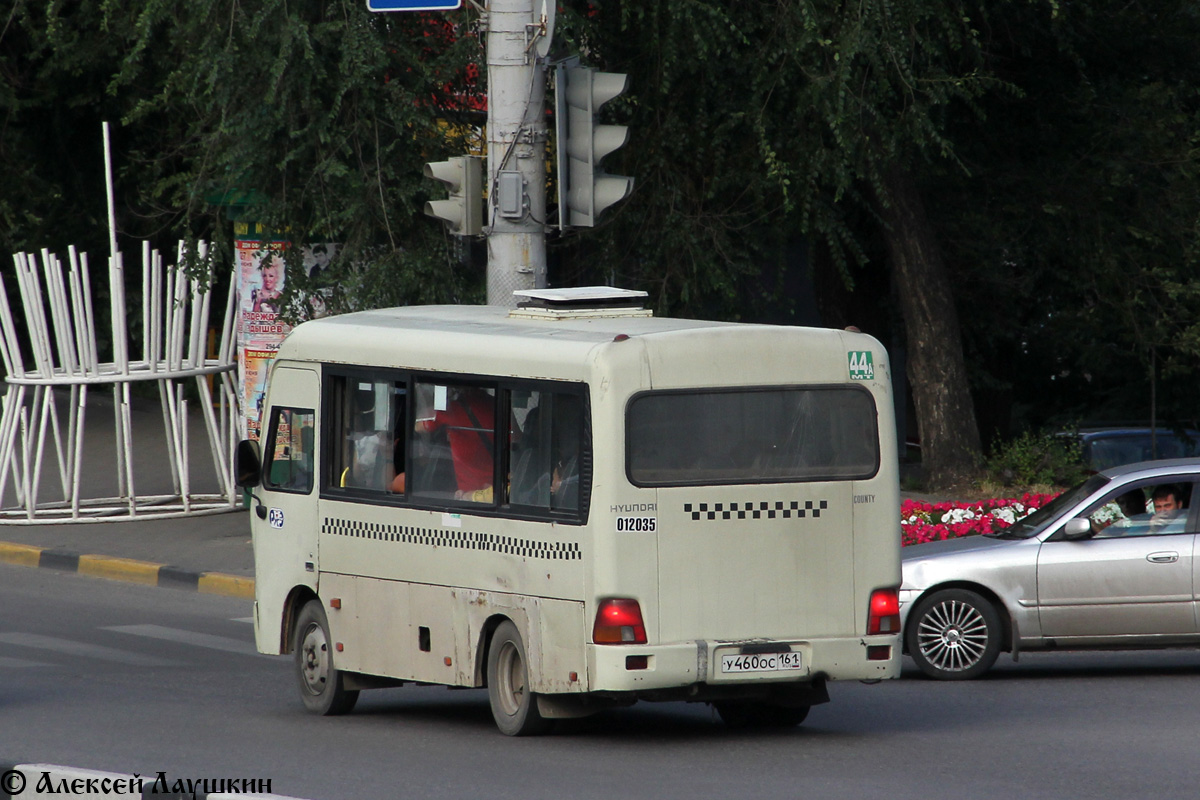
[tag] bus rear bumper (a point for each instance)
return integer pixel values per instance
(741, 665)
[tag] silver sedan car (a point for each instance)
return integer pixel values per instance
(1109, 564)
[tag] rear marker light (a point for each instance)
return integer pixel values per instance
(879, 652)
(884, 613)
(637, 662)
(619, 621)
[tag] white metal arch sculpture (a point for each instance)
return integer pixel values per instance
(60, 323)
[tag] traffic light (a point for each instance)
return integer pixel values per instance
(464, 210)
(585, 190)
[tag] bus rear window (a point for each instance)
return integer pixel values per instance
(768, 435)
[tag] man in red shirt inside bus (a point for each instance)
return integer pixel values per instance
(470, 423)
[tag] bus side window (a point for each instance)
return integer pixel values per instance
(290, 450)
(367, 412)
(545, 445)
(459, 421)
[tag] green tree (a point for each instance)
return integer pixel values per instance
(1073, 235)
(52, 102)
(318, 116)
(775, 119)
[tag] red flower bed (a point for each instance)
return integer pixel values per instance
(931, 522)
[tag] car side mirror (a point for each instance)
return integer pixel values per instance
(247, 464)
(1077, 528)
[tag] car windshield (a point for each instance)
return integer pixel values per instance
(1035, 523)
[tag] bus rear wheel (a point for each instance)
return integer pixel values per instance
(757, 714)
(514, 706)
(322, 686)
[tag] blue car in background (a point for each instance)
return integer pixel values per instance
(1105, 447)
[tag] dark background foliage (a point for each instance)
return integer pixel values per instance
(1051, 149)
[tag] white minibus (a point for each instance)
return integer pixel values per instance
(576, 505)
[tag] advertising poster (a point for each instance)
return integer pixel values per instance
(262, 275)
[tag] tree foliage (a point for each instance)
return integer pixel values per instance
(1046, 151)
(1073, 234)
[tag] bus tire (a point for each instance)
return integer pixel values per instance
(514, 707)
(738, 714)
(322, 685)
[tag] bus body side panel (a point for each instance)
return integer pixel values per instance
(543, 559)
(876, 503)
(434, 634)
(285, 544)
(625, 562)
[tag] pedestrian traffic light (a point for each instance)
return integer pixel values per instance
(584, 189)
(464, 210)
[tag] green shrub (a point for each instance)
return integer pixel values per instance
(1036, 459)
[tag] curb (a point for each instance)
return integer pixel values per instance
(129, 570)
(37, 780)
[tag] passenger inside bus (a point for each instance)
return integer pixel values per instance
(469, 422)
(368, 446)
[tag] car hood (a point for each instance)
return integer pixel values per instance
(982, 559)
(948, 547)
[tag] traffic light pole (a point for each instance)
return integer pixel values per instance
(516, 176)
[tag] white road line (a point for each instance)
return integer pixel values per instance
(223, 643)
(72, 648)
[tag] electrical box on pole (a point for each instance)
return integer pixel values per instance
(463, 212)
(584, 189)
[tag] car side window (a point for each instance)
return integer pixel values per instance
(1146, 508)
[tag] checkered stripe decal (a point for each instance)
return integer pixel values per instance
(766, 509)
(462, 540)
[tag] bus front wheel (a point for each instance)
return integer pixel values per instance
(514, 706)
(322, 686)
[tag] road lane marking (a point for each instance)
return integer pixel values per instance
(73, 648)
(207, 640)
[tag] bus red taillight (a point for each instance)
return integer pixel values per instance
(884, 616)
(619, 621)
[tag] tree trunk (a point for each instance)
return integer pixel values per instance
(950, 450)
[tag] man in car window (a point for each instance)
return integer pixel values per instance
(1168, 510)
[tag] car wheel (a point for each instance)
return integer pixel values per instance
(322, 687)
(954, 635)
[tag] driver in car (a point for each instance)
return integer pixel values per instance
(1168, 510)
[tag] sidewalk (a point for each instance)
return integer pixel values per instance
(210, 553)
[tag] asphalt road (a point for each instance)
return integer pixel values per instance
(126, 678)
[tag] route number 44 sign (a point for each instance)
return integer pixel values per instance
(862, 365)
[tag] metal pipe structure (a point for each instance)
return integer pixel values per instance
(516, 130)
(60, 324)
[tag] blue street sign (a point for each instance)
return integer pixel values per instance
(413, 5)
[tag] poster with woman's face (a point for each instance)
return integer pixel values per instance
(261, 273)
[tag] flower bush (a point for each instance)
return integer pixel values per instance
(931, 522)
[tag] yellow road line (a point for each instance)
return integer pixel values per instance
(229, 585)
(121, 569)
(25, 555)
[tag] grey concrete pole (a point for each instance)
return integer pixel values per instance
(515, 225)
